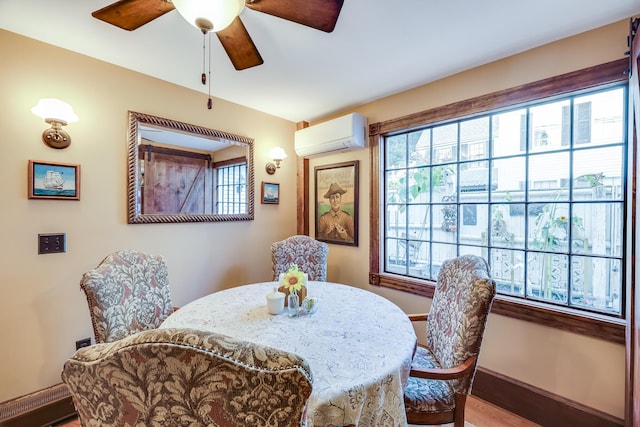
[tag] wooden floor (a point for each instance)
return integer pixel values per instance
(483, 414)
(478, 414)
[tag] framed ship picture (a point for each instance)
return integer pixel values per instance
(270, 192)
(48, 180)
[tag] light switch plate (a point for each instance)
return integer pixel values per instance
(51, 243)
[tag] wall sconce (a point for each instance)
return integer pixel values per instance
(57, 113)
(277, 154)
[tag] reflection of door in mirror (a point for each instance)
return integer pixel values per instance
(175, 181)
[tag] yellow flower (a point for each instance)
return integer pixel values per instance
(293, 279)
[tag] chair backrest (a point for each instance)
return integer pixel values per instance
(308, 253)
(127, 292)
(458, 315)
(187, 377)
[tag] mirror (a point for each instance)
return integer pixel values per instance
(180, 172)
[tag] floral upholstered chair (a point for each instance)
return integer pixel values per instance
(442, 372)
(127, 292)
(309, 254)
(185, 377)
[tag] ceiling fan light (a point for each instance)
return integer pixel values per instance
(218, 13)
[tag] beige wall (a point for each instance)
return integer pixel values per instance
(42, 309)
(576, 367)
(41, 306)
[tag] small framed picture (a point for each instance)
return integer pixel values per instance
(270, 192)
(49, 180)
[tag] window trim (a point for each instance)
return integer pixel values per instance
(602, 327)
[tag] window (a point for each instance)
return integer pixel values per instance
(231, 188)
(543, 202)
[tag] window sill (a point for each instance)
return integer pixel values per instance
(601, 327)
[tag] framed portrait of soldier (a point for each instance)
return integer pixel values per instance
(336, 209)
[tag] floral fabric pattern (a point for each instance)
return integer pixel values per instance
(455, 327)
(186, 377)
(127, 292)
(310, 255)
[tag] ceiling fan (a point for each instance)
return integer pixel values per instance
(319, 14)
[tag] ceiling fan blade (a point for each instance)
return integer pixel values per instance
(239, 47)
(319, 14)
(131, 14)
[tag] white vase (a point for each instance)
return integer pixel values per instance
(275, 301)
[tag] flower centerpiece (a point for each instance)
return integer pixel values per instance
(293, 281)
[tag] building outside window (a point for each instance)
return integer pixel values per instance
(538, 190)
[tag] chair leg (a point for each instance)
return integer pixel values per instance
(461, 399)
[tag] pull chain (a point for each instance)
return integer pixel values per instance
(209, 102)
(203, 77)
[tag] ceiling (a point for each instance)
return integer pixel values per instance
(378, 48)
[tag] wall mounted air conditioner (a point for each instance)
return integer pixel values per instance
(344, 133)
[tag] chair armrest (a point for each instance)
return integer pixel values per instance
(460, 371)
(418, 317)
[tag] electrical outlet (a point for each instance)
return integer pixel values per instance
(85, 342)
(52, 243)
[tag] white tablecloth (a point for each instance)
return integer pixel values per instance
(359, 346)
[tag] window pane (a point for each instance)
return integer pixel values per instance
(549, 176)
(420, 148)
(396, 186)
(507, 269)
(546, 123)
(473, 226)
(396, 151)
(548, 277)
(596, 283)
(445, 144)
(549, 229)
(510, 175)
(597, 229)
(396, 260)
(474, 178)
(419, 189)
(419, 222)
(473, 250)
(507, 225)
(445, 222)
(598, 173)
(599, 118)
(509, 133)
(474, 139)
(396, 221)
(440, 253)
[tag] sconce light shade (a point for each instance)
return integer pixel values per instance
(57, 113)
(277, 154)
(209, 15)
(54, 109)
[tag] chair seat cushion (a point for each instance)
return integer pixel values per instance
(423, 395)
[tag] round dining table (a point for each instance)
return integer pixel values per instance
(358, 345)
